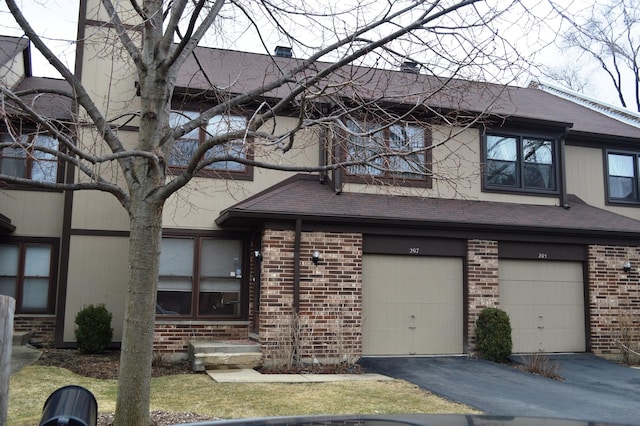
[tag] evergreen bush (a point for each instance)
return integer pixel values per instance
(93, 329)
(493, 335)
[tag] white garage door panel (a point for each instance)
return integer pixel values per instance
(412, 305)
(545, 303)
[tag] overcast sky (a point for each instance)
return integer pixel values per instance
(56, 21)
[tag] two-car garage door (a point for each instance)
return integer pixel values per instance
(412, 305)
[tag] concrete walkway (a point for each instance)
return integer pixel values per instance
(253, 376)
(21, 356)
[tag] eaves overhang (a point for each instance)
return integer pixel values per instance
(303, 198)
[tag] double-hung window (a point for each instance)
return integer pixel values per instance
(395, 152)
(520, 163)
(26, 274)
(622, 177)
(201, 277)
(185, 147)
(30, 157)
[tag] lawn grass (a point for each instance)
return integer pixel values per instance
(29, 389)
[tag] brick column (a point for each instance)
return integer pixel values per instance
(482, 281)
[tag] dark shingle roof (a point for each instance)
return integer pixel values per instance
(52, 105)
(238, 72)
(302, 196)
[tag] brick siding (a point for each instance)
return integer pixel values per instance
(614, 295)
(328, 326)
(171, 338)
(42, 329)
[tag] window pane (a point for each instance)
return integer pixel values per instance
(502, 173)
(220, 124)
(47, 142)
(45, 171)
(502, 148)
(234, 149)
(182, 151)
(8, 286)
(363, 145)
(221, 258)
(620, 165)
(537, 151)
(622, 188)
(9, 260)
(38, 261)
(176, 257)
(35, 293)
(409, 140)
(173, 303)
(13, 167)
(539, 176)
(177, 118)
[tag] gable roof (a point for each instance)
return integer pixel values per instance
(322, 205)
(52, 105)
(238, 72)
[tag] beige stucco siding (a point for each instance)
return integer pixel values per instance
(586, 179)
(34, 213)
(97, 274)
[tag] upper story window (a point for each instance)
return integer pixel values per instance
(26, 275)
(185, 147)
(201, 277)
(27, 157)
(622, 177)
(520, 163)
(396, 152)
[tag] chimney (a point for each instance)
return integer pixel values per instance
(283, 52)
(410, 67)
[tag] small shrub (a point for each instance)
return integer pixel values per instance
(93, 329)
(493, 334)
(541, 365)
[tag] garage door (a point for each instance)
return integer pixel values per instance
(545, 303)
(412, 305)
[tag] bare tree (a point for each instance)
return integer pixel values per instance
(156, 38)
(608, 33)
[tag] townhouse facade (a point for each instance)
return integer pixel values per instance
(534, 209)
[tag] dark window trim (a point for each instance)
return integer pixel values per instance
(247, 174)
(244, 281)
(618, 201)
(425, 182)
(22, 242)
(520, 189)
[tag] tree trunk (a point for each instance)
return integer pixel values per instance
(7, 308)
(132, 407)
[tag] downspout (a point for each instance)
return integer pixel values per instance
(296, 266)
(564, 201)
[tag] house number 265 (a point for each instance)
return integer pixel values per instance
(414, 250)
(542, 255)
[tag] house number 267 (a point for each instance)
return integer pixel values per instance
(414, 250)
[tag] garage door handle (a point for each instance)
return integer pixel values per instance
(412, 328)
(541, 327)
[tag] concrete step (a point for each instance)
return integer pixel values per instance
(224, 355)
(21, 338)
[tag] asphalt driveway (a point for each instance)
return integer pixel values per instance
(593, 389)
